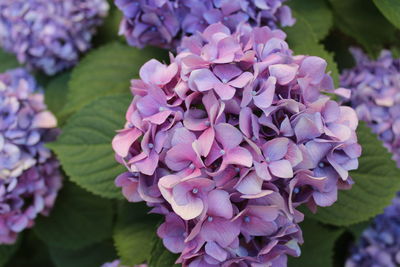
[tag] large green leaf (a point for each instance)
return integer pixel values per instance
(390, 9)
(56, 92)
(302, 40)
(376, 182)
(7, 61)
(78, 219)
(92, 256)
(318, 247)
(84, 147)
(105, 71)
(316, 13)
(362, 21)
(160, 256)
(134, 233)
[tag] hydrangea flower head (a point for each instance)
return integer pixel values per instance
(29, 176)
(375, 89)
(380, 243)
(228, 140)
(164, 23)
(49, 34)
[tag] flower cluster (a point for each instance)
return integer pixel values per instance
(375, 89)
(29, 176)
(380, 243)
(117, 263)
(49, 34)
(164, 23)
(231, 137)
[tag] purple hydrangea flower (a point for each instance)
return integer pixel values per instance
(29, 176)
(380, 243)
(375, 89)
(117, 263)
(165, 22)
(49, 34)
(229, 139)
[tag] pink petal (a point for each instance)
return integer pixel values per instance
(154, 72)
(221, 231)
(281, 168)
(325, 199)
(148, 165)
(180, 157)
(284, 73)
(205, 141)
(265, 98)
(122, 142)
(228, 136)
(239, 156)
(158, 118)
(182, 136)
(227, 49)
(242, 80)
(226, 72)
(314, 68)
(189, 211)
(202, 80)
(44, 119)
(219, 204)
(250, 185)
(262, 170)
(275, 149)
(215, 251)
(245, 121)
(224, 91)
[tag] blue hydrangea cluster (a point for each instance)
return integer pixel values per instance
(29, 175)
(375, 86)
(164, 23)
(379, 245)
(49, 35)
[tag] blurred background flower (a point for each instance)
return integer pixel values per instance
(375, 86)
(49, 35)
(29, 175)
(380, 243)
(164, 23)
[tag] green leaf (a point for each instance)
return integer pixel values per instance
(361, 20)
(390, 9)
(92, 256)
(134, 233)
(56, 92)
(316, 13)
(31, 252)
(160, 256)
(318, 247)
(7, 251)
(84, 146)
(302, 40)
(78, 219)
(376, 183)
(105, 71)
(7, 61)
